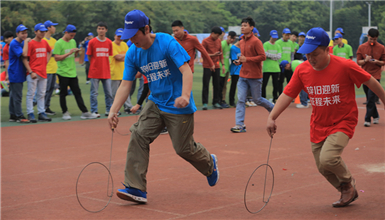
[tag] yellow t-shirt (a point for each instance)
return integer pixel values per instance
(117, 67)
(51, 65)
(343, 41)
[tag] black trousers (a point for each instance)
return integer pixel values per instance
(366, 92)
(87, 69)
(73, 83)
(371, 108)
(266, 77)
(207, 74)
(285, 74)
(233, 88)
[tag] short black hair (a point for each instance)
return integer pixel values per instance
(143, 29)
(294, 33)
(232, 34)
(216, 30)
(373, 32)
(248, 20)
(8, 34)
(102, 24)
(177, 23)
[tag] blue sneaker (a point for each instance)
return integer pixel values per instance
(214, 177)
(132, 194)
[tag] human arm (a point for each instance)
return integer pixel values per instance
(143, 96)
(28, 67)
(184, 99)
(62, 57)
(120, 97)
(282, 103)
(204, 53)
(376, 87)
(119, 57)
(6, 64)
(49, 55)
(25, 47)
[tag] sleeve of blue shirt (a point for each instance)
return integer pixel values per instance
(17, 49)
(129, 66)
(177, 53)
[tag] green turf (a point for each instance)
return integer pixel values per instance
(75, 112)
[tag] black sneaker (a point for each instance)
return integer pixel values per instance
(224, 104)
(48, 111)
(12, 118)
(217, 106)
(44, 117)
(34, 103)
(127, 111)
(164, 131)
(22, 119)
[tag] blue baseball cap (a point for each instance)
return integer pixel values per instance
(286, 31)
(186, 31)
(49, 24)
(119, 32)
(274, 34)
(134, 20)
(255, 30)
(40, 27)
(315, 37)
(21, 27)
(302, 34)
(340, 29)
(223, 30)
(70, 28)
(283, 64)
(90, 34)
(338, 35)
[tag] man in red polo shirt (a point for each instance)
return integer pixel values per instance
(213, 46)
(190, 44)
(250, 76)
(99, 50)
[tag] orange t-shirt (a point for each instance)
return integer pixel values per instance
(332, 95)
(100, 52)
(212, 46)
(37, 53)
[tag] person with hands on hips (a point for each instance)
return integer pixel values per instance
(166, 65)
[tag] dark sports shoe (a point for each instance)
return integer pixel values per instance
(217, 106)
(44, 117)
(12, 118)
(31, 118)
(225, 105)
(164, 131)
(48, 111)
(22, 119)
(204, 107)
(127, 111)
(238, 129)
(132, 194)
(214, 177)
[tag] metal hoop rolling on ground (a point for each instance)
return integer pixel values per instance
(112, 187)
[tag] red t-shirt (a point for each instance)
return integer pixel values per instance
(100, 52)
(6, 52)
(2, 78)
(332, 95)
(37, 53)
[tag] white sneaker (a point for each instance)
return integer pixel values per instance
(96, 114)
(302, 106)
(87, 82)
(87, 115)
(367, 124)
(66, 116)
(247, 103)
(376, 120)
(252, 103)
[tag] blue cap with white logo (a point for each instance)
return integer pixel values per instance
(338, 35)
(70, 28)
(40, 27)
(134, 20)
(49, 24)
(119, 32)
(286, 31)
(21, 27)
(274, 34)
(315, 37)
(255, 30)
(340, 30)
(302, 34)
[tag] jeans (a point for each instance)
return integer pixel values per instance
(255, 87)
(51, 79)
(107, 94)
(371, 108)
(114, 88)
(73, 83)
(37, 85)
(266, 76)
(15, 97)
(303, 97)
(207, 74)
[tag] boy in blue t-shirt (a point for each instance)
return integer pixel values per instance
(235, 53)
(165, 64)
(17, 73)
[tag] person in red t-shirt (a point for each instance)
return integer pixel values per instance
(329, 81)
(8, 37)
(99, 50)
(39, 52)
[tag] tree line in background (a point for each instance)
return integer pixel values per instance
(197, 16)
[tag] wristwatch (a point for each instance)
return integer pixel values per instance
(30, 72)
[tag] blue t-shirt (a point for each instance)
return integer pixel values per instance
(16, 68)
(160, 64)
(235, 53)
(129, 43)
(85, 45)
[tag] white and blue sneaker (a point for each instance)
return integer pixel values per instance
(132, 194)
(214, 177)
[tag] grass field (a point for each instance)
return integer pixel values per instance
(74, 110)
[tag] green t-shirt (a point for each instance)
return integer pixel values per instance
(296, 46)
(287, 48)
(295, 63)
(226, 56)
(66, 67)
(345, 51)
(269, 65)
